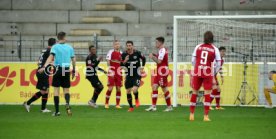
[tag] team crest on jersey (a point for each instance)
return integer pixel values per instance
(135, 57)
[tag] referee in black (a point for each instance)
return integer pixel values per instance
(42, 80)
(132, 63)
(92, 61)
(62, 54)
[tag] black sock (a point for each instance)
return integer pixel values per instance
(44, 101)
(56, 100)
(67, 98)
(136, 95)
(95, 96)
(34, 98)
(129, 100)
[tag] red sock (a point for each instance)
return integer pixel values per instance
(118, 98)
(168, 98)
(107, 96)
(213, 95)
(218, 99)
(207, 104)
(154, 97)
(193, 103)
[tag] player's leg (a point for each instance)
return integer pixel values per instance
(44, 91)
(164, 83)
(56, 83)
(207, 104)
(167, 97)
(97, 92)
(193, 104)
(67, 100)
(207, 84)
(214, 91)
(27, 104)
(110, 86)
(37, 95)
(118, 84)
(154, 97)
(65, 84)
(136, 85)
(56, 101)
(267, 92)
(128, 87)
(196, 84)
(218, 107)
(136, 97)
(44, 101)
(107, 95)
(118, 97)
(135, 93)
(98, 87)
(129, 99)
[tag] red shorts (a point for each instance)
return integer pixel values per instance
(198, 81)
(161, 80)
(115, 80)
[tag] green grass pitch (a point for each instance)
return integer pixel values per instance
(88, 123)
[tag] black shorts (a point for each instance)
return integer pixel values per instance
(61, 80)
(132, 81)
(95, 82)
(42, 81)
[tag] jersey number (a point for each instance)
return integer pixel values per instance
(204, 55)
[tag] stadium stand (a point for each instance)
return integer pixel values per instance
(30, 23)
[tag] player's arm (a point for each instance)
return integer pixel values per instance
(193, 60)
(160, 57)
(143, 58)
(155, 59)
(101, 70)
(38, 61)
(194, 57)
(73, 59)
(221, 76)
(108, 58)
(218, 60)
(108, 63)
(48, 61)
(96, 63)
(125, 58)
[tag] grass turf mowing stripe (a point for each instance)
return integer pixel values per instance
(234, 122)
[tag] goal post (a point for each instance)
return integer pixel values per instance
(249, 35)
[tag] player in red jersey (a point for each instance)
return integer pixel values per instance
(216, 87)
(160, 80)
(114, 59)
(202, 60)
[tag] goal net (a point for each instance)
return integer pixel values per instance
(250, 44)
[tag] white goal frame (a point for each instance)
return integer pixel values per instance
(175, 39)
